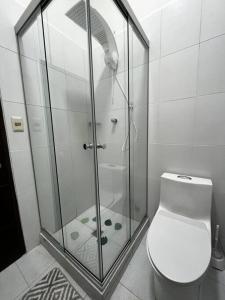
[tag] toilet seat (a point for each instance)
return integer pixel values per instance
(179, 247)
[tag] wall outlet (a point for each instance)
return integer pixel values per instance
(17, 124)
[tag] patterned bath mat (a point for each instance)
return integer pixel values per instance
(54, 286)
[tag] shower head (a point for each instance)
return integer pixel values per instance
(100, 30)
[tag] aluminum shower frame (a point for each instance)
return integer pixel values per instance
(103, 288)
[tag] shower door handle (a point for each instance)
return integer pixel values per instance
(101, 146)
(90, 146)
(87, 146)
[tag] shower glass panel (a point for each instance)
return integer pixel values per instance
(68, 73)
(33, 68)
(138, 92)
(110, 64)
(85, 78)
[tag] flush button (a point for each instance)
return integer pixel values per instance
(17, 124)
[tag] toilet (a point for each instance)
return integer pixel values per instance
(179, 238)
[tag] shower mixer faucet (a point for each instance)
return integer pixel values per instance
(91, 146)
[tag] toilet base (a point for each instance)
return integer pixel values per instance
(165, 290)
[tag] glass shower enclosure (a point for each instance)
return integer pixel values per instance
(85, 76)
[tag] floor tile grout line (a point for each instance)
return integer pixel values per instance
(19, 296)
(27, 285)
(39, 277)
(130, 291)
(21, 273)
(212, 278)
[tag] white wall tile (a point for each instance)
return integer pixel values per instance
(143, 8)
(154, 80)
(109, 93)
(154, 170)
(10, 79)
(45, 187)
(178, 74)
(139, 85)
(212, 66)
(27, 202)
(37, 117)
(26, 196)
(138, 51)
(29, 42)
(32, 81)
(79, 128)
(83, 181)
(202, 161)
(139, 125)
(74, 57)
(176, 121)
(153, 196)
(57, 88)
(76, 93)
(209, 120)
(122, 47)
(22, 170)
(180, 25)
(9, 14)
(109, 132)
(176, 159)
(213, 21)
(66, 184)
(207, 163)
(61, 129)
(153, 122)
(152, 27)
(54, 46)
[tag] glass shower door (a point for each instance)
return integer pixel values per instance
(138, 92)
(85, 77)
(67, 56)
(109, 38)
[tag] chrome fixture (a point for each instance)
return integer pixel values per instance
(114, 120)
(91, 146)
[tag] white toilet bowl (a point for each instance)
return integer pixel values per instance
(179, 238)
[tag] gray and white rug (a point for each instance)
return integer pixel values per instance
(54, 286)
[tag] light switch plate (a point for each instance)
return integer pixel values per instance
(17, 124)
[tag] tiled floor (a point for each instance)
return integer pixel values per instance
(136, 283)
(84, 247)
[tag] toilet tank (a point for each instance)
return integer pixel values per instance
(186, 195)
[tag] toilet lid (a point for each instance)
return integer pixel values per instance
(179, 247)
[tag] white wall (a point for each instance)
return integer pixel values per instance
(187, 99)
(13, 105)
(187, 93)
